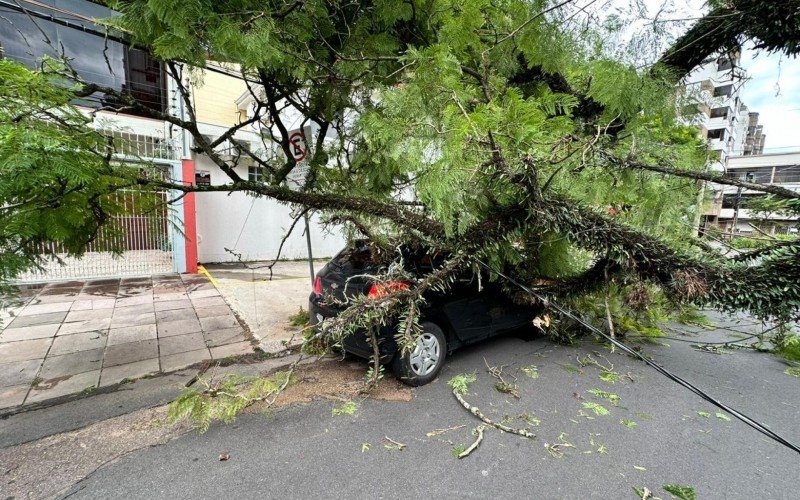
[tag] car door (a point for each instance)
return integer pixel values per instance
(506, 315)
(468, 310)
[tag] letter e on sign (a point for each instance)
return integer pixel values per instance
(297, 146)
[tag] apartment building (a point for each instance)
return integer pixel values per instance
(754, 138)
(714, 88)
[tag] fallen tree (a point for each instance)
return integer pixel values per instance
(519, 139)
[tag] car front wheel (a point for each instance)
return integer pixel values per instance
(420, 365)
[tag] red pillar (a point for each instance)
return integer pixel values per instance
(189, 218)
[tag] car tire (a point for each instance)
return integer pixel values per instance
(422, 364)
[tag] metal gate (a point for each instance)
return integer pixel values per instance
(145, 237)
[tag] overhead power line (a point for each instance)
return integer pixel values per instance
(675, 378)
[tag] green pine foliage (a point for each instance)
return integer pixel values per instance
(208, 400)
(59, 184)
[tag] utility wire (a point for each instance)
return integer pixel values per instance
(688, 385)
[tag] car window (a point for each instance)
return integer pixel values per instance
(357, 258)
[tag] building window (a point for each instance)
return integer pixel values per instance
(97, 60)
(255, 174)
(762, 175)
(724, 91)
(724, 63)
(717, 133)
(719, 113)
(786, 174)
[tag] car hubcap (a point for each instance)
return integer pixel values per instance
(425, 355)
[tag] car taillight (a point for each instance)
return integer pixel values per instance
(317, 286)
(379, 290)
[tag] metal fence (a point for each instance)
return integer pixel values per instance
(143, 236)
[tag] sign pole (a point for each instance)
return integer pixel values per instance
(310, 256)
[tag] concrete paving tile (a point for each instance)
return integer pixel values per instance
(166, 277)
(90, 325)
(181, 327)
(133, 310)
(12, 306)
(191, 276)
(172, 304)
(224, 336)
(38, 319)
(169, 296)
(131, 352)
(231, 350)
(135, 300)
(200, 283)
(101, 292)
(136, 280)
(134, 292)
(71, 364)
(76, 342)
(115, 374)
(58, 285)
(54, 289)
(175, 315)
(73, 316)
(139, 319)
(201, 294)
(63, 386)
(218, 322)
(103, 281)
(24, 350)
(32, 310)
(19, 372)
(209, 311)
(131, 334)
(181, 343)
(180, 360)
(208, 302)
(50, 300)
(45, 300)
(81, 304)
(13, 396)
(103, 303)
(29, 333)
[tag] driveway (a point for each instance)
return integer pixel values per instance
(79, 336)
(653, 433)
(265, 302)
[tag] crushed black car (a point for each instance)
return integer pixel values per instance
(470, 311)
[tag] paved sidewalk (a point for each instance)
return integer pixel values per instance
(65, 338)
(264, 304)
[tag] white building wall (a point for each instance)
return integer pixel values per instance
(765, 160)
(258, 224)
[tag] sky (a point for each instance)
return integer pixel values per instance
(773, 91)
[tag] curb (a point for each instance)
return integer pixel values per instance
(200, 368)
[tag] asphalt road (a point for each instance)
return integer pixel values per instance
(304, 451)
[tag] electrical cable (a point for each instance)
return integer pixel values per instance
(688, 385)
(690, 341)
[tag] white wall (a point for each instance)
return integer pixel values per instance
(764, 160)
(222, 216)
